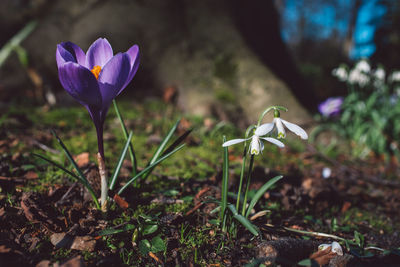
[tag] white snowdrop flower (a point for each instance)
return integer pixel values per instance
(340, 73)
(256, 145)
(395, 76)
(324, 246)
(363, 66)
(326, 172)
(379, 74)
(335, 247)
(358, 77)
(279, 123)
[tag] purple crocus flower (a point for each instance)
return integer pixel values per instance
(94, 79)
(331, 106)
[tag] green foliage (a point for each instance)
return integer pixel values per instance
(370, 113)
(163, 152)
(14, 45)
(156, 244)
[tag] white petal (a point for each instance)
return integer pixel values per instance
(279, 127)
(324, 246)
(274, 141)
(261, 146)
(255, 145)
(264, 129)
(337, 248)
(233, 142)
(296, 129)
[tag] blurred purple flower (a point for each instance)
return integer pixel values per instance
(331, 106)
(94, 79)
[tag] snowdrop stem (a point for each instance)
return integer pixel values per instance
(275, 108)
(247, 185)
(249, 131)
(239, 193)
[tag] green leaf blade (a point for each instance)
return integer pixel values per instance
(120, 161)
(261, 192)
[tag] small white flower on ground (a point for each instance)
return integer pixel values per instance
(326, 172)
(335, 247)
(256, 145)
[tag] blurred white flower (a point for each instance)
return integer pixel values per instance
(363, 66)
(256, 145)
(379, 74)
(358, 77)
(340, 73)
(394, 77)
(326, 172)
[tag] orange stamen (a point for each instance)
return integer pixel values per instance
(96, 71)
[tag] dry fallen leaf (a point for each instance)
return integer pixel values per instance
(82, 159)
(322, 257)
(121, 202)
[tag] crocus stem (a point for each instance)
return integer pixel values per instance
(103, 177)
(100, 146)
(239, 193)
(247, 185)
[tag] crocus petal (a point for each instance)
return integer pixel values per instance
(69, 52)
(233, 142)
(274, 141)
(264, 129)
(133, 54)
(80, 83)
(295, 129)
(113, 77)
(134, 59)
(99, 53)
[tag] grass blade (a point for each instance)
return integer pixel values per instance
(261, 192)
(178, 141)
(58, 166)
(112, 231)
(125, 132)
(173, 146)
(161, 147)
(15, 41)
(243, 220)
(69, 156)
(145, 170)
(224, 189)
(164, 142)
(120, 161)
(83, 179)
(84, 182)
